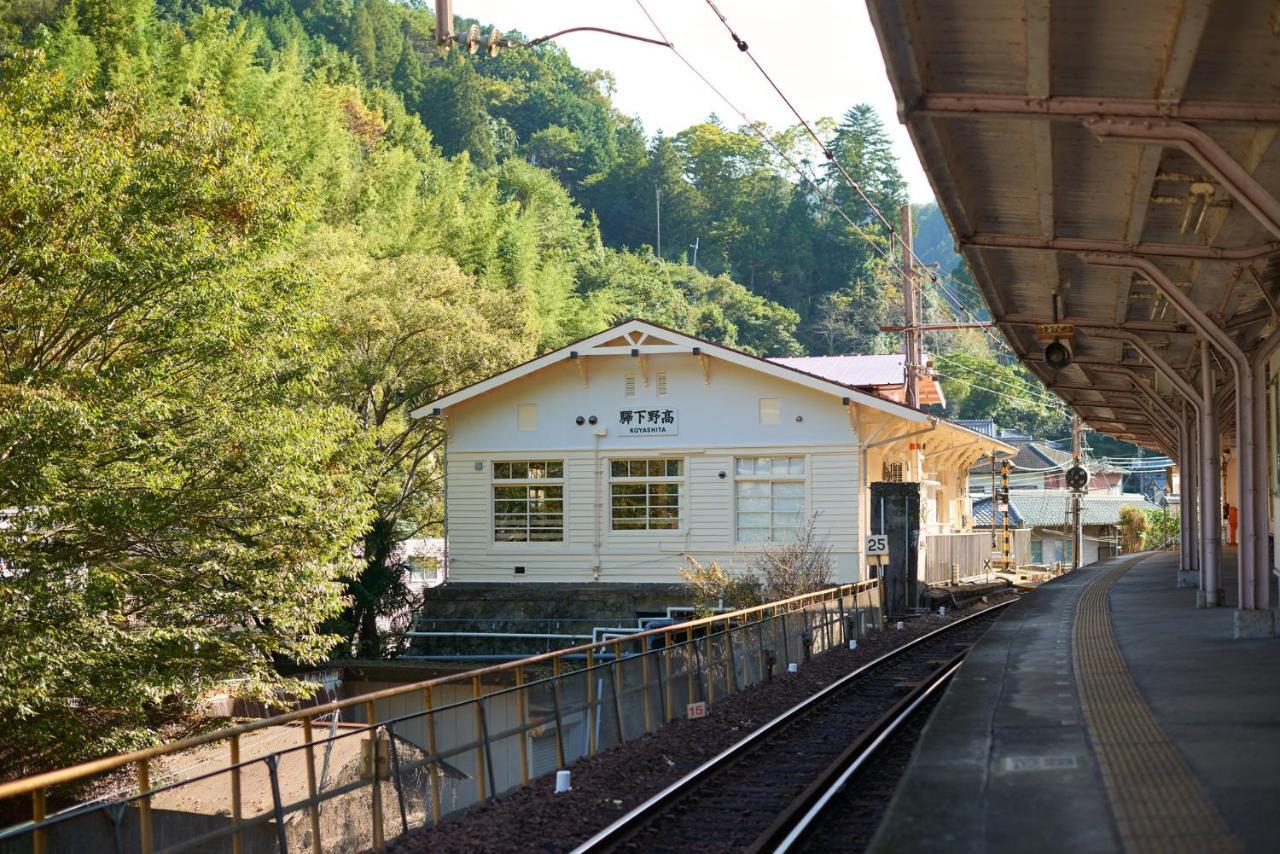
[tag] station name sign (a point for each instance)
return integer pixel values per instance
(648, 422)
(1055, 331)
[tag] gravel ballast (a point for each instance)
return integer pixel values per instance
(609, 784)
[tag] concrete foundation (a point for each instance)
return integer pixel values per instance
(1255, 623)
(1188, 578)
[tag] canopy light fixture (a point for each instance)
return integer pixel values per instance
(1057, 354)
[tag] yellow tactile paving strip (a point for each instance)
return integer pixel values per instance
(1156, 800)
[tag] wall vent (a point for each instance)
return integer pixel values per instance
(893, 472)
(662, 384)
(629, 385)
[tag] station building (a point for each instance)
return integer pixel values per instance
(614, 458)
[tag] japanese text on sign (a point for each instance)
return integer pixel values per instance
(647, 422)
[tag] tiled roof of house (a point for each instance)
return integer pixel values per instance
(1050, 508)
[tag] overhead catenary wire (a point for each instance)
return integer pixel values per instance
(1029, 394)
(755, 128)
(894, 234)
(1020, 399)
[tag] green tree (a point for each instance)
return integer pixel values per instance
(181, 500)
(402, 332)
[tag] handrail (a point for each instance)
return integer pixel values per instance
(44, 780)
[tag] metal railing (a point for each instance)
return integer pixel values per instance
(404, 758)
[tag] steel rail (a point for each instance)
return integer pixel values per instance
(807, 810)
(620, 829)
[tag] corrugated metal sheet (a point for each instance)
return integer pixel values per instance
(851, 370)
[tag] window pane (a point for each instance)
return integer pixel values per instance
(789, 489)
(510, 492)
(537, 471)
(665, 524)
(664, 512)
(519, 470)
(669, 490)
(753, 535)
(508, 507)
(789, 504)
(628, 524)
(675, 468)
(555, 469)
(789, 521)
(795, 465)
(749, 505)
(628, 489)
(618, 468)
(778, 465)
(657, 468)
(501, 471)
(748, 520)
(745, 465)
(545, 536)
(753, 488)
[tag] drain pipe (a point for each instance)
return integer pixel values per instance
(1245, 415)
(1261, 474)
(1187, 490)
(1210, 485)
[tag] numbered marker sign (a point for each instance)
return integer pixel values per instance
(696, 710)
(877, 545)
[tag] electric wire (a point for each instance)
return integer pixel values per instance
(755, 128)
(831, 157)
(971, 384)
(1029, 394)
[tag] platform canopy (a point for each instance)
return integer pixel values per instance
(1119, 155)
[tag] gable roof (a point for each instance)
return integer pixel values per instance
(640, 337)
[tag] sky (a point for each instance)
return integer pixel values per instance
(822, 53)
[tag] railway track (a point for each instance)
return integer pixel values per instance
(775, 788)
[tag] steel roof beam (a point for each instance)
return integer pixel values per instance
(984, 240)
(958, 105)
(1162, 326)
(1206, 151)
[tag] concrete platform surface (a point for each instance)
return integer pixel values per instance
(1009, 761)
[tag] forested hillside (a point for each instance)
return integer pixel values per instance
(241, 242)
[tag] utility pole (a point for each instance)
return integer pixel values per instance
(444, 22)
(1077, 540)
(1004, 495)
(657, 192)
(910, 339)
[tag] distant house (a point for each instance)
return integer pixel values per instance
(1039, 465)
(1047, 512)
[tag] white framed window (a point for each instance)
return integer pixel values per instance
(768, 498)
(644, 495)
(528, 501)
(770, 410)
